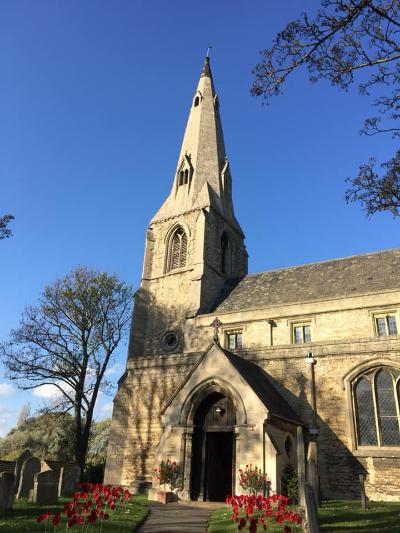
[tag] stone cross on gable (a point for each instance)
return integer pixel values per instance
(216, 324)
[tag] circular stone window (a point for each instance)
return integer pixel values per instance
(170, 341)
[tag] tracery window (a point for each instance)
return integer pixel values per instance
(377, 408)
(177, 250)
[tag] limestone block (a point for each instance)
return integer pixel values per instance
(7, 482)
(30, 467)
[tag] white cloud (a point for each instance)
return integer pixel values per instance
(5, 415)
(6, 389)
(47, 392)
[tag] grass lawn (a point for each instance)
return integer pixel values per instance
(347, 516)
(23, 517)
(220, 522)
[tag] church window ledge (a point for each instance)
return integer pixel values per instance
(377, 452)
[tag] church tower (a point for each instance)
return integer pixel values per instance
(194, 244)
(194, 255)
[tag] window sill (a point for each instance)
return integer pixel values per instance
(377, 452)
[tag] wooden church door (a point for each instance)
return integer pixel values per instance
(213, 458)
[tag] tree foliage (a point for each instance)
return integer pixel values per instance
(5, 232)
(67, 341)
(341, 40)
(51, 436)
(48, 436)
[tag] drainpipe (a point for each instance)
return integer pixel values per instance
(272, 325)
(312, 452)
(310, 360)
(264, 429)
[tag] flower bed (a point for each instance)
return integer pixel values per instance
(253, 511)
(89, 508)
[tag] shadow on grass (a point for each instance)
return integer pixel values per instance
(348, 516)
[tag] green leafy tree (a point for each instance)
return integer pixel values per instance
(338, 42)
(67, 341)
(5, 232)
(48, 436)
(98, 442)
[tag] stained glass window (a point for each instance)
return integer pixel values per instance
(388, 419)
(376, 398)
(365, 413)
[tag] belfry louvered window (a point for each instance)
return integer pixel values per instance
(177, 253)
(376, 403)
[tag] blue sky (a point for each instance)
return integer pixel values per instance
(94, 97)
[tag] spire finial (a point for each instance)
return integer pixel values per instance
(206, 67)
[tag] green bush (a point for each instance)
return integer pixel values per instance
(290, 483)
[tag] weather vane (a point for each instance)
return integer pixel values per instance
(208, 50)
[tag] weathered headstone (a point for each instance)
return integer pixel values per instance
(7, 490)
(45, 488)
(30, 467)
(68, 480)
(18, 466)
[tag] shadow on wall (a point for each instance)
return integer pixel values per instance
(338, 468)
(144, 390)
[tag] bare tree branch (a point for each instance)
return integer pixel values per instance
(341, 39)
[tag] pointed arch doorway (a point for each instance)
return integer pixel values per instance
(213, 449)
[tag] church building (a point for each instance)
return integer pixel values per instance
(296, 366)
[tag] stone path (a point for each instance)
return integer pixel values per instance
(178, 517)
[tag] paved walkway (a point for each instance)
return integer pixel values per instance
(178, 517)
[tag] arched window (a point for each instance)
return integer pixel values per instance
(196, 101)
(177, 250)
(225, 255)
(376, 404)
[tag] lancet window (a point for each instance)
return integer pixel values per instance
(177, 250)
(377, 409)
(183, 177)
(225, 254)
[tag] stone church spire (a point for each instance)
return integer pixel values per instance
(202, 178)
(194, 244)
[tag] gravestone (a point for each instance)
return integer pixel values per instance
(7, 489)
(18, 465)
(45, 488)
(30, 467)
(68, 480)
